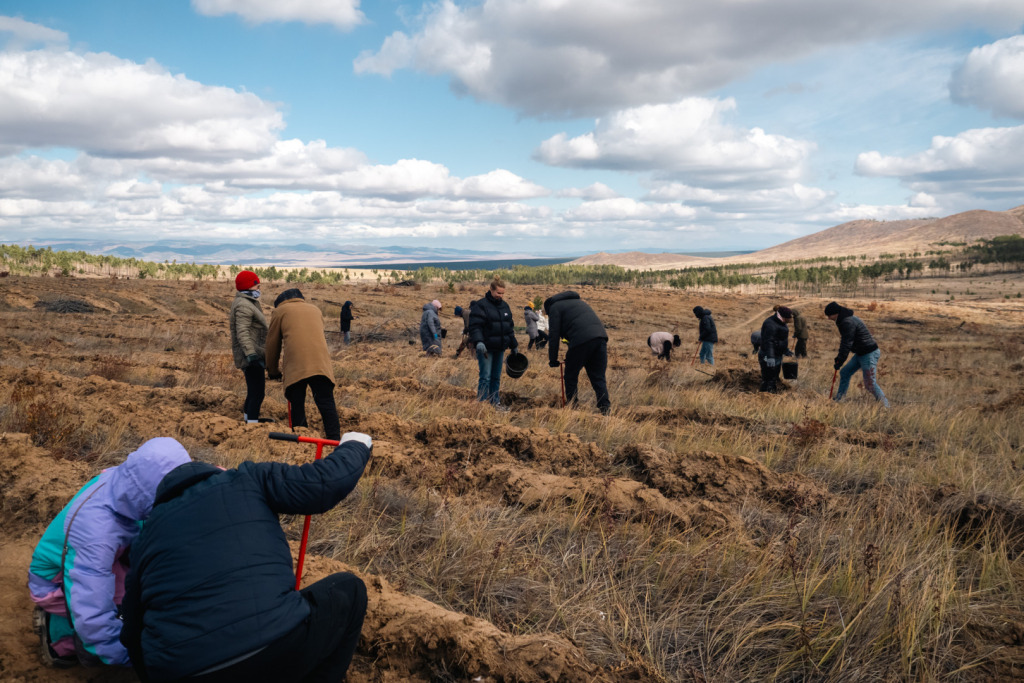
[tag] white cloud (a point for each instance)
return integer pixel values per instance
(342, 14)
(790, 200)
(21, 34)
(983, 162)
(612, 54)
(992, 77)
(687, 139)
(625, 209)
(592, 191)
(113, 107)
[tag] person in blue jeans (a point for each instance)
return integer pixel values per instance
(707, 334)
(491, 331)
(855, 338)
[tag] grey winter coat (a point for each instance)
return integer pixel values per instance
(531, 322)
(248, 329)
(430, 327)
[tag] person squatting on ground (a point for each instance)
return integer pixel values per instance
(800, 334)
(346, 319)
(78, 567)
(491, 331)
(572, 319)
(462, 313)
(537, 336)
(707, 334)
(661, 344)
(248, 338)
(774, 346)
(211, 593)
(430, 328)
(855, 338)
(297, 333)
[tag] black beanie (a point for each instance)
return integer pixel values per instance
(833, 308)
(698, 311)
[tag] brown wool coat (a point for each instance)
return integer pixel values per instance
(248, 329)
(297, 329)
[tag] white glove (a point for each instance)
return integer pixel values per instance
(357, 436)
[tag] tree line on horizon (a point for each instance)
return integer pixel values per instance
(819, 275)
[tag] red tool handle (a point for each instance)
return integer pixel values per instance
(834, 374)
(561, 368)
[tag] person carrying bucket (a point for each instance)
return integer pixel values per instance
(211, 594)
(491, 331)
(854, 337)
(774, 346)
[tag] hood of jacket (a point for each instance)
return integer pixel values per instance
(181, 478)
(429, 307)
(134, 483)
(562, 296)
(844, 313)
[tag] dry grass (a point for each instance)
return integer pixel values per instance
(907, 567)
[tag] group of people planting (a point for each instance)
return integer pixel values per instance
(181, 569)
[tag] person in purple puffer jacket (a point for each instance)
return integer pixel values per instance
(80, 563)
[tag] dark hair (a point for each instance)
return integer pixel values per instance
(676, 341)
(287, 294)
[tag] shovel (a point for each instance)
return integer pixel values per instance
(320, 443)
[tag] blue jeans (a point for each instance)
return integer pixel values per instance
(490, 376)
(868, 364)
(707, 352)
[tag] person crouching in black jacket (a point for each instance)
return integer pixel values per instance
(211, 591)
(572, 319)
(774, 345)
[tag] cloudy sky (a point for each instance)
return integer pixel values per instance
(550, 127)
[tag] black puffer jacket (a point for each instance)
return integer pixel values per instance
(572, 319)
(707, 331)
(211, 576)
(854, 334)
(774, 338)
(490, 322)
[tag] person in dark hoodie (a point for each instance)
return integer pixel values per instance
(572, 319)
(774, 346)
(346, 321)
(491, 331)
(430, 328)
(707, 334)
(297, 333)
(855, 338)
(211, 592)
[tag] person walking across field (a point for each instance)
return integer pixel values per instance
(774, 346)
(707, 334)
(248, 327)
(463, 314)
(800, 334)
(211, 595)
(571, 318)
(855, 337)
(430, 328)
(537, 336)
(661, 344)
(346, 321)
(297, 333)
(491, 331)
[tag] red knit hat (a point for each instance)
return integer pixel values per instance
(246, 279)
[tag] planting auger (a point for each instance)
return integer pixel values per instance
(561, 369)
(834, 375)
(695, 352)
(320, 443)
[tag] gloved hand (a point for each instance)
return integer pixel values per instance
(553, 363)
(275, 376)
(481, 350)
(838, 364)
(787, 352)
(357, 436)
(770, 362)
(254, 358)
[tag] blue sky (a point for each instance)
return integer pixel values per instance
(545, 127)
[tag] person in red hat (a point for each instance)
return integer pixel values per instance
(248, 339)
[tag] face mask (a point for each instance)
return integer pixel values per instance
(254, 293)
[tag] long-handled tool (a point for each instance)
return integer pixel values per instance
(695, 352)
(320, 443)
(834, 375)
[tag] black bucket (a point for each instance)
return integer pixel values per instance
(789, 370)
(516, 364)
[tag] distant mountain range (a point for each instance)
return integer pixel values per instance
(868, 237)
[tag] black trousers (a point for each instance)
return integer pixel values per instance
(592, 355)
(323, 397)
(540, 340)
(255, 390)
(318, 649)
(770, 376)
(801, 348)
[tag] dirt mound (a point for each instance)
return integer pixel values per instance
(976, 516)
(748, 381)
(718, 477)
(419, 640)
(1014, 400)
(34, 485)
